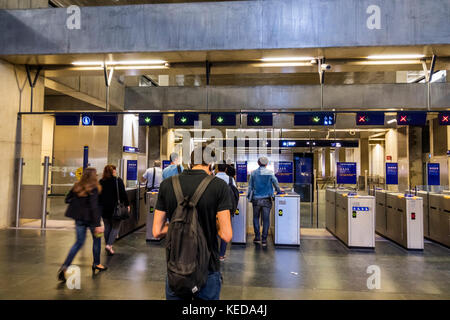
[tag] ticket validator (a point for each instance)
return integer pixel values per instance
(287, 219)
(239, 220)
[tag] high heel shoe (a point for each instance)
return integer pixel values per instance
(61, 274)
(109, 251)
(99, 267)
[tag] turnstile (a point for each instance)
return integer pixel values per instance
(239, 220)
(330, 208)
(287, 219)
(380, 211)
(355, 220)
(404, 220)
(439, 218)
(151, 199)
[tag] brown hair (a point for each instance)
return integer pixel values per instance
(87, 183)
(108, 171)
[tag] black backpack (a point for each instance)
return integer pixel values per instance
(234, 195)
(187, 251)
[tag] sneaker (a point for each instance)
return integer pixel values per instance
(256, 241)
(264, 243)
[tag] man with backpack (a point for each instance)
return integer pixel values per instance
(222, 173)
(198, 206)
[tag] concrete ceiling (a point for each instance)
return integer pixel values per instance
(87, 3)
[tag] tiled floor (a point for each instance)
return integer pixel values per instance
(322, 268)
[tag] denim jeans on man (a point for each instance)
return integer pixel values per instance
(261, 208)
(80, 227)
(210, 291)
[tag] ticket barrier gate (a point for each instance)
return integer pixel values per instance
(404, 220)
(287, 219)
(330, 213)
(353, 221)
(239, 220)
(152, 197)
(436, 216)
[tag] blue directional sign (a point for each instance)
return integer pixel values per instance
(391, 173)
(223, 119)
(411, 118)
(260, 119)
(86, 119)
(314, 119)
(67, 119)
(370, 118)
(150, 119)
(185, 118)
(346, 173)
(434, 174)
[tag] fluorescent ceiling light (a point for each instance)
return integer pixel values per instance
(87, 63)
(396, 56)
(140, 67)
(280, 59)
(284, 64)
(392, 121)
(386, 62)
(119, 63)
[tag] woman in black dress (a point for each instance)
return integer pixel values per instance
(108, 201)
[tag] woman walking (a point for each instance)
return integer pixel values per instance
(83, 208)
(112, 189)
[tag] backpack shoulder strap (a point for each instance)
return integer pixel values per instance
(230, 182)
(201, 189)
(177, 189)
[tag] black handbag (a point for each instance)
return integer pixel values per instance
(120, 210)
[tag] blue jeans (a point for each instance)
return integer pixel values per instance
(80, 227)
(223, 248)
(261, 205)
(210, 291)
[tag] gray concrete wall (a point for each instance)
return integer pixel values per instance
(371, 96)
(23, 4)
(237, 25)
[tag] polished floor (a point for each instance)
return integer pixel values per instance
(322, 268)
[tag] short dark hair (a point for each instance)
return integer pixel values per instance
(231, 171)
(200, 150)
(222, 167)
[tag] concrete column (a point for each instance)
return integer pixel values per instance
(415, 156)
(115, 142)
(364, 155)
(153, 145)
(18, 138)
(327, 157)
(341, 155)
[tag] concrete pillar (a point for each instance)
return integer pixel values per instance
(18, 138)
(415, 156)
(327, 156)
(115, 142)
(341, 154)
(364, 155)
(153, 145)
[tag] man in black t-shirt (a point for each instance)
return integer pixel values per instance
(213, 210)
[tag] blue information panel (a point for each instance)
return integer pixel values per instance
(346, 173)
(241, 171)
(165, 164)
(132, 170)
(391, 173)
(86, 119)
(433, 174)
(85, 157)
(285, 173)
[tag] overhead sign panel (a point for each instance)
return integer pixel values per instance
(346, 173)
(444, 118)
(314, 119)
(411, 118)
(104, 119)
(150, 119)
(370, 118)
(260, 119)
(185, 118)
(67, 119)
(223, 119)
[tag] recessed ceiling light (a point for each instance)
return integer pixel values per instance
(280, 59)
(381, 62)
(283, 64)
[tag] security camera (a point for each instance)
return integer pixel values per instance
(352, 133)
(324, 66)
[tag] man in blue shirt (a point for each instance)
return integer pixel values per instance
(174, 168)
(260, 193)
